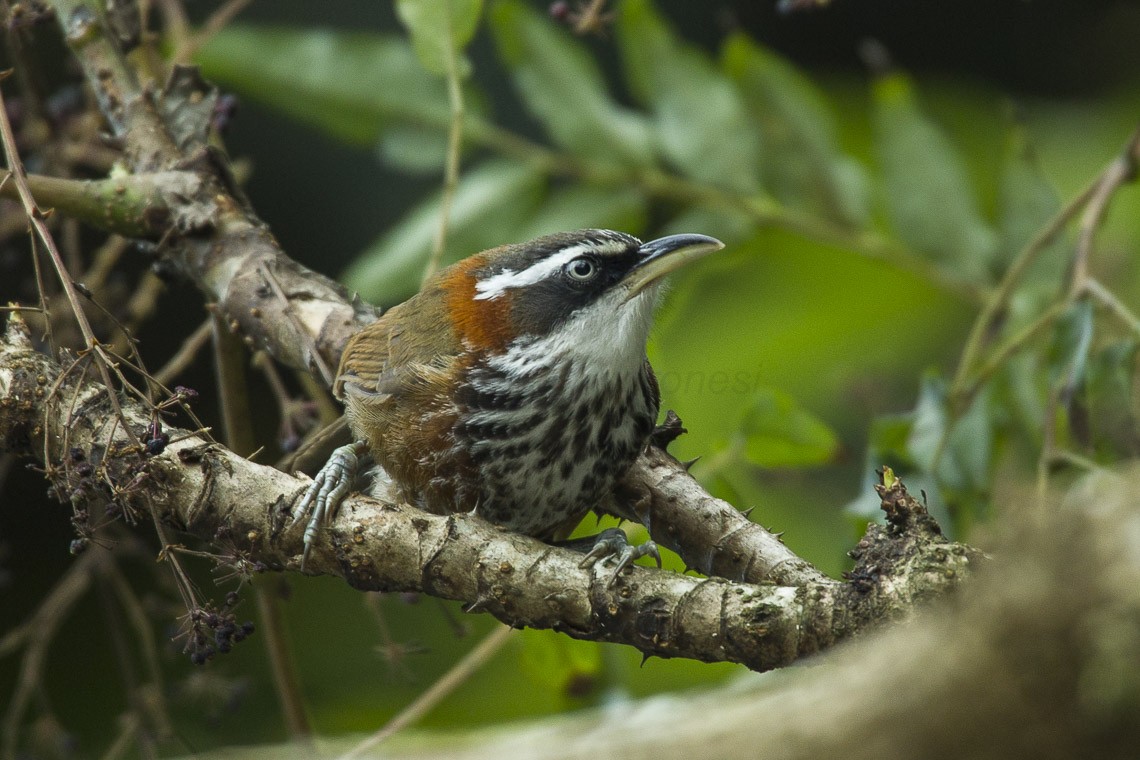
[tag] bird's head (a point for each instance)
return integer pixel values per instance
(591, 288)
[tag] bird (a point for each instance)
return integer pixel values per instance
(514, 385)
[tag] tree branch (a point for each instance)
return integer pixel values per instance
(243, 508)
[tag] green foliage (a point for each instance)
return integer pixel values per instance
(440, 29)
(556, 76)
(700, 122)
(777, 432)
(492, 199)
(929, 198)
(351, 85)
(803, 165)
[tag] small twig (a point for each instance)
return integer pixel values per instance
(454, 143)
(36, 220)
(1121, 171)
(186, 354)
(999, 300)
(1115, 306)
(310, 344)
(36, 635)
(214, 24)
(452, 679)
(177, 24)
(281, 663)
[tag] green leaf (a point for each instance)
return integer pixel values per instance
(930, 201)
(929, 422)
(886, 446)
(491, 203)
(777, 432)
(701, 123)
(350, 85)
(440, 29)
(1069, 351)
(1111, 397)
(563, 87)
(802, 164)
(580, 206)
(959, 453)
(1027, 201)
(413, 149)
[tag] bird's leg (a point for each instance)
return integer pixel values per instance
(611, 542)
(327, 490)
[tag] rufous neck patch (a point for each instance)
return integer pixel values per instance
(482, 324)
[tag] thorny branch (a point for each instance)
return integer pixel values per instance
(206, 490)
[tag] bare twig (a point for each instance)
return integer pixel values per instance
(186, 354)
(36, 635)
(217, 21)
(438, 691)
(454, 143)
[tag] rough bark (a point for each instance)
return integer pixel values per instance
(242, 509)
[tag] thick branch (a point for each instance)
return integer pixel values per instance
(208, 491)
(137, 206)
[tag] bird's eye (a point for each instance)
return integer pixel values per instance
(581, 269)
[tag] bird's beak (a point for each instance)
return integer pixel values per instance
(664, 255)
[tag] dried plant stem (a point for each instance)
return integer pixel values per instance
(447, 683)
(454, 143)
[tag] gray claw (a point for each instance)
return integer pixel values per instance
(613, 543)
(325, 493)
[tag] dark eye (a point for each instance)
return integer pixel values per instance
(581, 269)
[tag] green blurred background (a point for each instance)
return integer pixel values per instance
(865, 209)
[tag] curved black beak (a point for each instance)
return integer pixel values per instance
(664, 255)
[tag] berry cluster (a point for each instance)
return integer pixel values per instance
(209, 632)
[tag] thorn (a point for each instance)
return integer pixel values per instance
(687, 464)
(747, 512)
(644, 658)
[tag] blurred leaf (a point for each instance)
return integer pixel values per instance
(1026, 203)
(351, 85)
(929, 198)
(777, 432)
(886, 446)
(580, 206)
(491, 203)
(802, 164)
(570, 667)
(958, 454)
(440, 29)
(929, 422)
(413, 149)
(701, 122)
(1111, 396)
(563, 87)
(1024, 394)
(1069, 351)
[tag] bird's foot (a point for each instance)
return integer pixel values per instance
(612, 542)
(327, 490)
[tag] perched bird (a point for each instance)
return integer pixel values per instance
(514, 385)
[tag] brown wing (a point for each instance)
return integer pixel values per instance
(408, 344)
(395, 379)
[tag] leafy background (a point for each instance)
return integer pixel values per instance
(874, 172)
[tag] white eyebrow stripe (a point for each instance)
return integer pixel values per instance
(495, 285)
